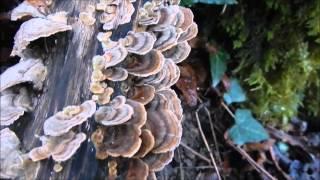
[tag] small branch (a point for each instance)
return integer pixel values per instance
(195, 152)
(180, 166)
(213, 135)
(228, 110)
(206, 143)
(253, 163)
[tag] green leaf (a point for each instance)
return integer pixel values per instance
(246, 129)
(219, 2)
(235, 93)
(218, 66)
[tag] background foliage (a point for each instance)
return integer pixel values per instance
(275, 53)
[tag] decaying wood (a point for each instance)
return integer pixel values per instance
(67, 83)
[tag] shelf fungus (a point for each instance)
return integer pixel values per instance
(138, 42)
(149, 14)
(123, 139)
(13, 105)
(25, 9)
(137, 170)
(146, 65)
(178, 53)
(27, 70)
(36, 28)
(14, 164)
(143, 93)
(146, 126)
(164, 124)
(115, 113)
(69, 117)
(115, 12)
(157, 162)
(60, 148)
(167, 77)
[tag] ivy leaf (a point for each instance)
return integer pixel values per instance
(219, 2)
(235, 93)
(246, 129)
(218, 66)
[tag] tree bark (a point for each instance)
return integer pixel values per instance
(69, 69)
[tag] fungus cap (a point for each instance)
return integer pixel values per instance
(189, 34)
(147, 143)
(138, 42)
(25, 9)
(34, 29)
(13, 105)
(142, 93)
(61, 148)
(115, 113)
(145, 65)
(138, 170)
(68, 118)
(157, 162)
(28, 70)
(178, 53)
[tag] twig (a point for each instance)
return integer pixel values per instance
(228, 110)
(213, 135)
(195, 152)
(180, 165)
(206, 143)
(274, 159)
(253, 163)
(199, 167)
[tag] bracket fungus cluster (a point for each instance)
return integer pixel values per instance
(143, 123)
(14, 163)
(60, 140)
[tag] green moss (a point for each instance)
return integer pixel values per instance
(275, 44)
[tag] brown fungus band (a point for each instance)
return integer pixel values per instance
(149, 53)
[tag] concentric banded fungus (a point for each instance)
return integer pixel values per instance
(191, 32)
(166, 38)
(114, 55)
(169, 17)
(138, 43)
(157, 162)
(116, 12)
(167, 77)
(103, 98)
(13, 105)
(178, 53)
(116, 74)
(61, 148)
(115, 113)
(29, 70)
(138, 170)
(146, 65)
(121, 140)
(70, 117)
(163, 124)
(37, 28)
(149, 14)
(147, 143)
(188, 18)
(14, 164)
(174, 102)
(143, 94)
(153, 73)
(25, 9)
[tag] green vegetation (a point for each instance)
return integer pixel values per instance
(275, 46)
